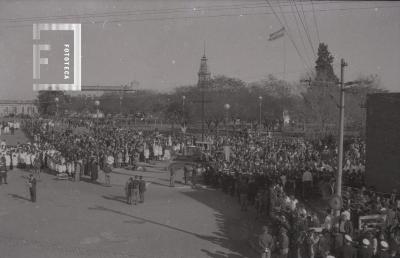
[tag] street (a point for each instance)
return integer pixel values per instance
(82, 219)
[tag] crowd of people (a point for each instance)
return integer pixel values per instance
(276, 176)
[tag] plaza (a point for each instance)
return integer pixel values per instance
(82, 219)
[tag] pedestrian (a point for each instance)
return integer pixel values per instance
(142, 189)
(78, 170)
(135, 188)
(194, 176)
(283, 243)
(266, 242)
(171, 176)
(348, 251)
(129, 190)
(32, 187)
(384, 250)
(307, 183)
(364, 251)
(107, 176)
(3, 169)
(185, 174)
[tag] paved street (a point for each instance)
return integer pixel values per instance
(81, 219)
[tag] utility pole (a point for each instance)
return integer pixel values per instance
(343, 64)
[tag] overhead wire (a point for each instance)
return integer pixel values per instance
(315, 21)
(305, 26)
(300, 35)
(182, 17)
(146, 11)
(288, 33)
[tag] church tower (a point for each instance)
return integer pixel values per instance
(203, 82)
(204, 74)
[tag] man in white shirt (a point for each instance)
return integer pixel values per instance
(307, 181)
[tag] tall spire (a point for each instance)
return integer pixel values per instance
(204, 73)
(204, 48)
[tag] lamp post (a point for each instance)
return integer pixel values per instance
(56, 99)
(120, 104)
(97, 104)
(259, 113)
(227, 107)
(183, 108)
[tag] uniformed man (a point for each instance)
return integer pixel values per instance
(348, 251)
(283, 243)
(266, 243)
(364, 251)
(32, 187)
(3, 169)
(129, 190)
(185, 174)
(384, 250)
(135, 190)
(171, 176)
(142, 189)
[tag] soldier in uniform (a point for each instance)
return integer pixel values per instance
(348, 251)
(142, 189)
(171, 176)
(135, 190)
(3, 169)
(384, 250)
(266, 242)
(129, 190)
(364, 251)
(32, 187)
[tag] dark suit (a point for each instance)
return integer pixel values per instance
(32, 188)
(142, 189)
(364, 253)
(348, 252)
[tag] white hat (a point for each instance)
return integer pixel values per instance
(365, 241)
(348, 238)
(384, 245)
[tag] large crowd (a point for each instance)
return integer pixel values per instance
(276, 176)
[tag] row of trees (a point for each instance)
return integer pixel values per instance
(315, 102)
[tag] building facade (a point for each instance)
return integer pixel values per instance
(17, 107)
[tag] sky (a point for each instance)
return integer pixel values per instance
(159, 43)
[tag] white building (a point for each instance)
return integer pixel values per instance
(16, 107)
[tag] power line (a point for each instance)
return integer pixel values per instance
(148, 11)
(315, 22)
(290, 37)
(188, 17)
(300, 34)
(305, 26)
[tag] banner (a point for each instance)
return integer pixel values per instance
(371, 221)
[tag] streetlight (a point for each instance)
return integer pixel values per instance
(259, 117)
(120, 104)
(97, 104)
(56, 100)
(183, 109)
(227, 107)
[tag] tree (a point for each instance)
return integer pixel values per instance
(323, 68)
(46, 103)
(321, 96)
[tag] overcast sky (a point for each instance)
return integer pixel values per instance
(160, 43)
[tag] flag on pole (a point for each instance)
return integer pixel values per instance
(277, 34)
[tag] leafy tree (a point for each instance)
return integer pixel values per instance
(46, 103)
(321, 96)
(323, 68)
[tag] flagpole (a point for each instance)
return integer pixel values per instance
(284, 57)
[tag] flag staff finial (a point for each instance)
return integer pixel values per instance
(204, 48)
